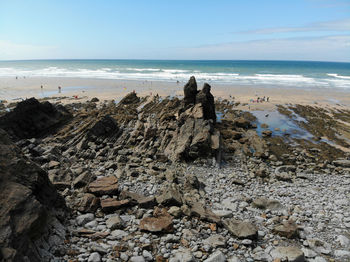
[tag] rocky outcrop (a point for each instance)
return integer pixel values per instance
(205, 98)
(130, 98)
(106, 126)
(31, 119)
(26, 199)
(190, 92)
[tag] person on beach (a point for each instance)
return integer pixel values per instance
(41, 87)
(59, 89)
(267, 99)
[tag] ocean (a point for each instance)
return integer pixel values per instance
(296, 74)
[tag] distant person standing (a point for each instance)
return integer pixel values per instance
(41, 87)
(59, 89)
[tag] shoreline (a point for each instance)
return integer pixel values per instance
(12, 89)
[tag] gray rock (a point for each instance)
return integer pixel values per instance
(114, 222)
(343, 240)
(83, 219)
(94, 257)
(342, 253)
(342, 163)
(215, 241)
(217, 256)
(262, 256)
(317, 259)
(182, 255)
(137, 259)
(118, 234)
(293, 254)
(147, 255)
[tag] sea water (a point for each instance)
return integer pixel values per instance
(296, 74)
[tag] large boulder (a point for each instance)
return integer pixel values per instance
(31, 119)
(27, 198)
(190, 92)
(190, 140)
(207, 100)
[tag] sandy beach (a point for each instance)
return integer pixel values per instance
(12, 89)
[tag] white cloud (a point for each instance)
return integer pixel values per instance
(336, 26)
(13, 51)
(328, 48)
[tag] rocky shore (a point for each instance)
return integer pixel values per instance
(169, 179)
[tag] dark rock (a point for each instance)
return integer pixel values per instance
(130, 98)
(95, 99)
(31, 118)
(106, 126)
(266, 133)
(190, 92)
(26, 200)
(207, 100)
(242, 122)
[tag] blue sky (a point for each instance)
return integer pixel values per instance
(197, 29)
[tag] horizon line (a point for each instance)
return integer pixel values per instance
(142, 59)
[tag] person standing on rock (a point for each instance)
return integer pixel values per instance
(59, 89)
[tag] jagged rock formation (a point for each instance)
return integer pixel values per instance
(31, 118)
(190, 92)
(205, 98)
(26, 199)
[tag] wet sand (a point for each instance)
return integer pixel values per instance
(12, 89)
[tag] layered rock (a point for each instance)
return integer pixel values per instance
(26, 199)
(31, 118)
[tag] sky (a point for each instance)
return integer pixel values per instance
(317, 30)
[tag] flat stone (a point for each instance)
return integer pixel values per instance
(114, 222)
(182, 255)
(203, 213)
(104, 186)
(223, 213)
(53, 164)
(287, 229)
(265, 203)
(118, 234)
(217, 256)
(342, 163)
(215, 241)
(162, 223)
(293, 254)
(241, 229)
(110, 204)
